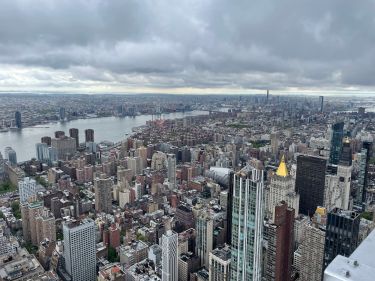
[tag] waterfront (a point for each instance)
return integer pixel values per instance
(111, 129)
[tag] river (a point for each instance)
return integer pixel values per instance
(111, 129)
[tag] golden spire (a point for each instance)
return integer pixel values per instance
(282, 171)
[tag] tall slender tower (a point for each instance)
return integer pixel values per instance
(89, 135)
(18, 118)
(169, 256)
(280, 244)
(74, 133)
(336, 142)
(204, 240)
(80, 250)
(103, 194)
(247, 224)
(171, 161)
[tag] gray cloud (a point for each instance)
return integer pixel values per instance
(195, 44)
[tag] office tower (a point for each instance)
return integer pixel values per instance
(171, 164)
(42, 152)
(359, 199)
(358, 267)
(312, 247)
(27, 189)
(204, 241)
(229, 208)
(247, 224)
(59, 134)
(321, 103)
(169, 259)
(220, 264)
(52, 154)
(310, 182)
(46, 140)
(74, 133)
(280, 244)
(281, 188)
(89, 135)
(62, 113)
(344, 172)
(338, 180)
(103, 194)
(80, 250)
(341, 234)
(268, 96)
(11, 155)
(65, 147)
(336, 142)
(368, 146)
(18, 118)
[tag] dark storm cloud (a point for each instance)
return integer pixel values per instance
(197, 43)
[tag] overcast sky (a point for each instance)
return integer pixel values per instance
(180, 46)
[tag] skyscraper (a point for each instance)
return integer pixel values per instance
(341, 234)
(62, 113)
(336, 142)
(103, 194)
(247, 224)
(362, 173)
(65, 147)
(89, 135)
(204, 240)
(42, 153)
(171, 162)
(11, 155)
(74, 133)
(280, 244)
(312, 247)
(169, 256)
(310, 182)
(27, 189)
(80, 250)
(338, 180)
(18, 118)
(281, 188)
(321, 103)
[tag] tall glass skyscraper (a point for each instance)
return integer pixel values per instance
(18, 118)
(336, 142)
(247, 224)
(341, 234)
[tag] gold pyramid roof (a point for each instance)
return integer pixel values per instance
(282, 171)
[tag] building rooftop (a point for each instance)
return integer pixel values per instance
(223, 253)
(360, 266)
